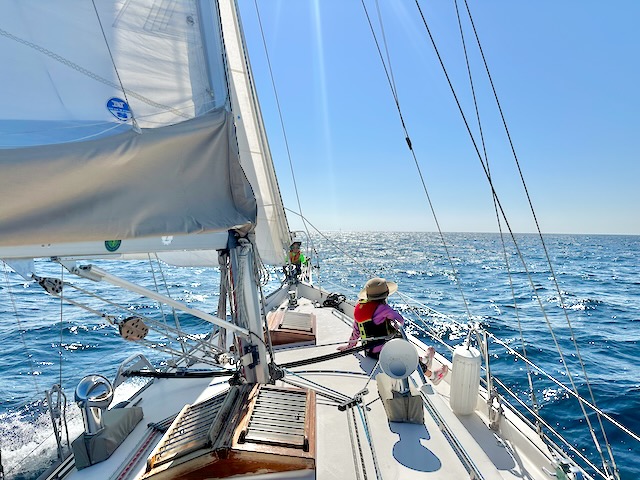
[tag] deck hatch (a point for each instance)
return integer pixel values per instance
(188, 432)
(297, 321)
(278, 418)
(287, 327)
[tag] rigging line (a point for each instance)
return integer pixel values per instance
(560, 296)
(375, 369)
(39, 445)
(387, 71)
(20, 328)
(155, 283)
(555, 340)
(353, 444)
(415, 160)
(464, 119)
(148, 343)
(336, 396)
(544, 246)
(495, 206)
(365, 418)
(430, 333)
(632, 434)
(401, 294)
(433, 312)
(348, 373)
(309, 347)
(177, 332)
(359, 443)
(386, 48)
(532, 393)
(277, 99)
(335, 401)
(262, 273)
(28, 455)
(259, 276)
(370, 273)
(179, 374)
(323, 358)
(310, 248)
(596, 443)
(61, 319)
(504, 122)
(558, 435)
(365, 269)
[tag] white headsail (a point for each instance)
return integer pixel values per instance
(272, 229)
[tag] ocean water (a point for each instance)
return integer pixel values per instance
(442, 290)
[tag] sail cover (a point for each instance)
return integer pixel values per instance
(175, 180)
(117, 124)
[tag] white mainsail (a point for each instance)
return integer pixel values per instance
(117, 125)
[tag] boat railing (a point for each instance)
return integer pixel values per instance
(565, 388)
(535, 421)
(57, 406)
(540, 422)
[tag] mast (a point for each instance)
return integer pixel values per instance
(253, 350)
(270, 237)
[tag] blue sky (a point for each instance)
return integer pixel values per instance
(567, 76)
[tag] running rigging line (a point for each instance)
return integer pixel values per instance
(61, 324)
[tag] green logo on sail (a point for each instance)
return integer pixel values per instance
(112, 245)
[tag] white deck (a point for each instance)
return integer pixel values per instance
(402, 450)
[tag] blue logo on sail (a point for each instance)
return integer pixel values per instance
(119, 109)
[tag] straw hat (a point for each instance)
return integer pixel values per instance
(377, 289)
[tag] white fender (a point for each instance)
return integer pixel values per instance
(465, 380)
